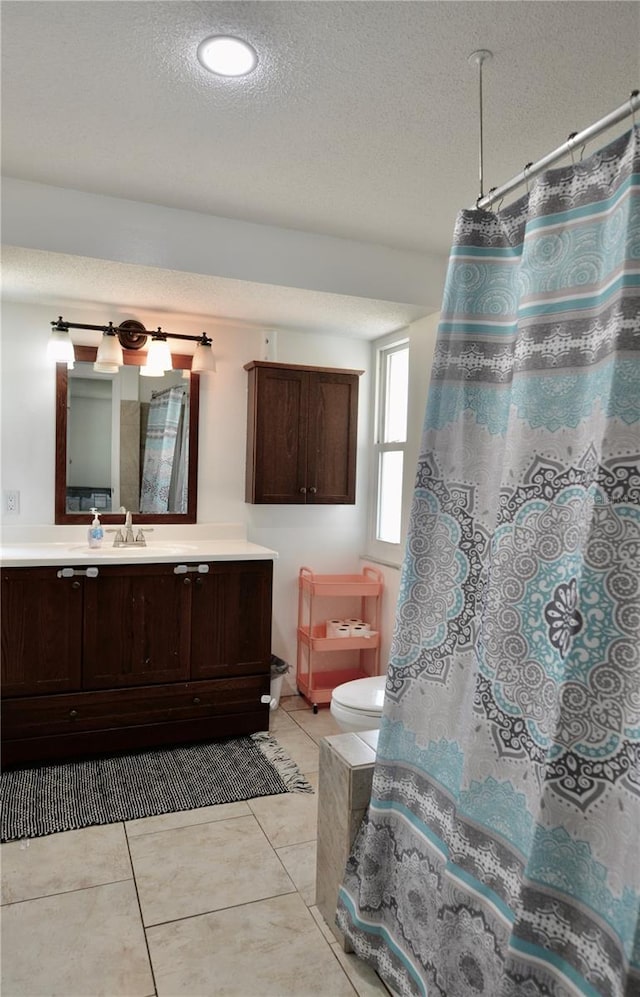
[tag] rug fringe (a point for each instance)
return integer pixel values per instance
(286, 768)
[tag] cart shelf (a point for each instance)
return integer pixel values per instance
(326, 662)
(320, 642)
(368, 583)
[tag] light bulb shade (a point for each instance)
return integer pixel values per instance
(147, 371)
(203, 361)
(109, 353)
(60, 348)
(106, 368)
(158, 357)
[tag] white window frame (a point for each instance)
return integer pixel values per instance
(387, 553)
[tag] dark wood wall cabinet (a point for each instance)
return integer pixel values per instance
(133, 656)
(301, 434)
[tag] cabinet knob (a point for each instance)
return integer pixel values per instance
(303, 491)
(198, 581)
(313, 489)
(75, 585)
(73, 714)
(187, 581)
(196, 700)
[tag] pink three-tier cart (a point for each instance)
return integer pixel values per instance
(324, 660)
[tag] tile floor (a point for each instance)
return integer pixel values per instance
(210, 902)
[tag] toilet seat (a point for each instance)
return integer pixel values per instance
(362, 696)
(357, 705)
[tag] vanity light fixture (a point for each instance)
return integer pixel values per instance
(225, 55)
(131, 335)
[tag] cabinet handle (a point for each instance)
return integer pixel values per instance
(181, 569)
(303, 491)
(196, 700)
(313, 489)
(70, 572)
(73, 714)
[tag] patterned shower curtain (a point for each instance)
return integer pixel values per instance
(161, 449)
(501, 851)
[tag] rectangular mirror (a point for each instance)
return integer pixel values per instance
(126, 441)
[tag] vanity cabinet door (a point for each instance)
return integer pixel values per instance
(41, 632)
(231, 620)
(136, 626)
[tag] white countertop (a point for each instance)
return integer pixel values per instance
(67, 546)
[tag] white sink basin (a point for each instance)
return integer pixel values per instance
(157, 547)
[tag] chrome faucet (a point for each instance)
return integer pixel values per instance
(127, 539)
(128, 529)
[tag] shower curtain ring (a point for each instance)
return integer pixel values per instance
(632, 96)
(570, 141)
(527, 167)
(489, 198)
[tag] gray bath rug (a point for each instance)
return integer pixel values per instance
(44, 799)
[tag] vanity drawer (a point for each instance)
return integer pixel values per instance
(39, 716)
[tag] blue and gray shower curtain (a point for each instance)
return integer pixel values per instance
(501, 851)
(164, 459)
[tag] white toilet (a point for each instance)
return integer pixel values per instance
(357, 705)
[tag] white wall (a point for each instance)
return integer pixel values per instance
(89, 442)
(327, 539)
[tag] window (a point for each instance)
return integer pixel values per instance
(392, 391)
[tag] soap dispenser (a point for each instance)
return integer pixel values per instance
(96, 533)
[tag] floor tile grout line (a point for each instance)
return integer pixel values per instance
(274, 848)
(144, 930)
(199, 823)
(288, 874)
(300, 730)
(221, 910)
(291, 845)
(336, 947)
(64, 893)
(248, 903)
(295, 844)
(335, 956)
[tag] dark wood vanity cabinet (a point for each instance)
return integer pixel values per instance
(301, 434)
(140, 655)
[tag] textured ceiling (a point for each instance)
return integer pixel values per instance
(55, 278)
(360, 121)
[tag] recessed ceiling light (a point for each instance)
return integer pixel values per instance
(227, 56)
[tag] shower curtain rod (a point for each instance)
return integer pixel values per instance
(575, 139)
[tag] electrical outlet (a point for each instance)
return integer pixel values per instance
(12, 501)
